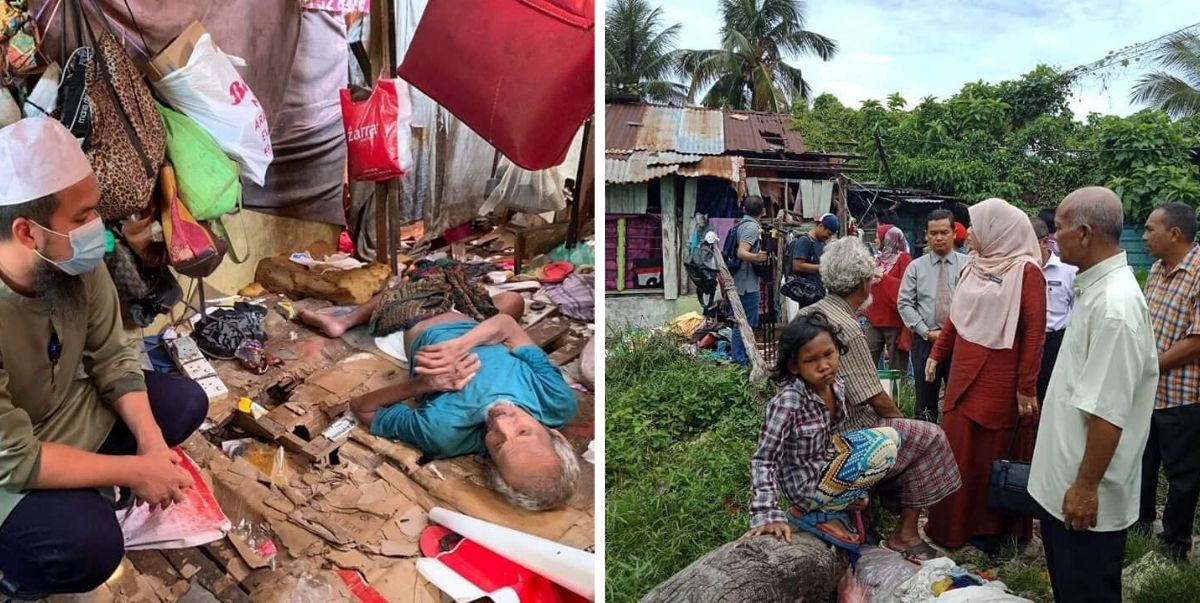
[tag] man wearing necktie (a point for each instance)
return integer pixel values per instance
(924, 303)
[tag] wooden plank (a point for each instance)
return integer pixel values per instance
(583, 198)
(383, 254)
(536, 240)
(670, 239)
(548, 331)
(211, 577)
(153, 563)
(393, 201)
(228, 559)
(688, 193)
(570, 349)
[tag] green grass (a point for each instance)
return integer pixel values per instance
(1175, 583)
(679, 435)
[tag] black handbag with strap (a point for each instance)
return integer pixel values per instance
(804, 291)
(1008, 485)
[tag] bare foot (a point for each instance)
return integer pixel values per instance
(331, 326)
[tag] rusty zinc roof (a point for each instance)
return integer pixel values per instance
(696, 131)
(644, 167)
(657, 128)
(754, 132)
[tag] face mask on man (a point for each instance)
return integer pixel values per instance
(87, 247)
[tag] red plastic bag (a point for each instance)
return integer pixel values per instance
(522, 75)
(376, 142)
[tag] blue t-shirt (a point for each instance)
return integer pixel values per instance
(451, 424)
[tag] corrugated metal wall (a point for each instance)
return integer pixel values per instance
(1135, 249)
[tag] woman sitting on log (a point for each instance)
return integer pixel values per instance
(823, 473)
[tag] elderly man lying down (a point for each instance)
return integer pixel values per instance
(486, 388)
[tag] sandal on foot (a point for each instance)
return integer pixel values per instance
(916, 553)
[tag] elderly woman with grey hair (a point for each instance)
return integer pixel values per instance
(925, 471)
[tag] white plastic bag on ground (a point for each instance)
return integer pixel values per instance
(992, 592)
(209, 90)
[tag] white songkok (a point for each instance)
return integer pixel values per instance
(38, 157)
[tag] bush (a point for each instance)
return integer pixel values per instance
(679, 435)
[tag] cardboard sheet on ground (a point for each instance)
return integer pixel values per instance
(196, 521)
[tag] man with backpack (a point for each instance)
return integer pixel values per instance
(745, 260)
(803, 283)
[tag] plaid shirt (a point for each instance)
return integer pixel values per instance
(794, 447)
(1174, 301)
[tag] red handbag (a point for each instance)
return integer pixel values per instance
(192, 249)
(522, 76)
(373, 133)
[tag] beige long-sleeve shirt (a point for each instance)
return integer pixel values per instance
(69, 401)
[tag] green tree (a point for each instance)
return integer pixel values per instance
(1175, 88)
(1146, 162)
(640, 55)
(748, 70)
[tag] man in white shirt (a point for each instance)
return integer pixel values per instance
(1060, 297)
(1086, 471)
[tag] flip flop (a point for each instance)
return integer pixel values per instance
(916, 553)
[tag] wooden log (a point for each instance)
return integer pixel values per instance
(758, 368)
(757, 569)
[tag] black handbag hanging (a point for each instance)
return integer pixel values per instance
(1008, 484)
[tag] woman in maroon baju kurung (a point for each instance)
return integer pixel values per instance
(979, 414)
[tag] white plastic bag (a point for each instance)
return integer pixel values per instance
(526, 191)
(209, 90)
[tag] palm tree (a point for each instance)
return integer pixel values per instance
(1176, 88)
(639, 53)
(748, 70)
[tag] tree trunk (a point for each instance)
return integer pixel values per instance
(757, 569)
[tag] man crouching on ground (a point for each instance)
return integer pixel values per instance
(486, 388)
(78, 417)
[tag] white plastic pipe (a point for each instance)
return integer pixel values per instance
(568, 567)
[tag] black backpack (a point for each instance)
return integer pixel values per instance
(730, 248)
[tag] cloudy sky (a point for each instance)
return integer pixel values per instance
(933, 47)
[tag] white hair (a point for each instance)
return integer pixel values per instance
(1097, 207)
(544, 493)
(845, 265)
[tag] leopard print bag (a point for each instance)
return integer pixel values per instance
(128, 140)
(128, 137)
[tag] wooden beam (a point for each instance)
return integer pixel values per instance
(536, 240)
(688, 195)
(670, 238)
(584, 195)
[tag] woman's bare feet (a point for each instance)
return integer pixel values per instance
(331, 326)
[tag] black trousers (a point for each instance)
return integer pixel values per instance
(1085, 567)
(1049, 356)
(928, 392)
(1174, 433)
(69, 541)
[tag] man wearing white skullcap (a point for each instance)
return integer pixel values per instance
(79, 420)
